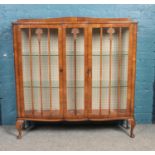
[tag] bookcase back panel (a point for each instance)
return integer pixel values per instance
(40, 60)
(109, 70)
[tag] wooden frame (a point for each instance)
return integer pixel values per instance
(106, 26)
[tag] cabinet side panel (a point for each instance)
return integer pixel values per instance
(133, 66)
(20, 72)
(130, 69)
(15, 36)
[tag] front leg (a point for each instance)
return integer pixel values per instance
(132, 124)
(19, 126)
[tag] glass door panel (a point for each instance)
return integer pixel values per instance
(75, 71)
(40, 64)
(109, 70)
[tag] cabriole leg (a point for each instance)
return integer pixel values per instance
(19, 126)
(132, 124)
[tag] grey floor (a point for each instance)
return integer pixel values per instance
(78, 137)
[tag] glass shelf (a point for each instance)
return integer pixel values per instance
(45, 84)
(73, 55)
(48, 55)
(109, 87)
(35, 54)
(40, 55)
(72, 87)
(39, 87)
(96, 83)
(124, 54)
(79, 83)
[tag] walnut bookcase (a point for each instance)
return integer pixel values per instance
(75, 69)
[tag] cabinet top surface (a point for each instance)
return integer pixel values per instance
(75, 20)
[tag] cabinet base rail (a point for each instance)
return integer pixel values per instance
(20, 123)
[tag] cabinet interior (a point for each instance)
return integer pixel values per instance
(40, 63)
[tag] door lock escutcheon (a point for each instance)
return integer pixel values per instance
(61, 70)
(89, 71)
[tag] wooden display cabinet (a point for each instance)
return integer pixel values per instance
(75, 69)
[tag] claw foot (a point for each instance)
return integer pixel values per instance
(132, 124)
(19, 126)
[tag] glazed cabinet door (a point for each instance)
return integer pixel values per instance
(110, 71)
(74, 72)
(40, 57)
